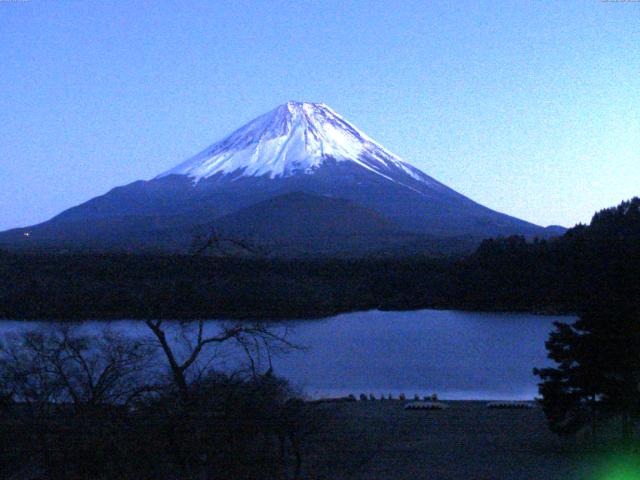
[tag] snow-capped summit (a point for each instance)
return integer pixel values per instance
(294, 138)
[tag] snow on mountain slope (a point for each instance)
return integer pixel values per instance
(294, 138)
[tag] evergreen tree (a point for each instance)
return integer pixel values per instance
(597, 376)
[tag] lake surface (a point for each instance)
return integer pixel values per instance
(458, 355)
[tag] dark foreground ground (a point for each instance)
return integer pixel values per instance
(380, 440)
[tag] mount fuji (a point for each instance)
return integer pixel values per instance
(299, 179)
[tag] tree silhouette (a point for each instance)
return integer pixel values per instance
(597, 375)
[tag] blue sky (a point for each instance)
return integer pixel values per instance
(529, 107)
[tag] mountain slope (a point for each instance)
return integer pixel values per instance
(300, 216)
(295, 223)
(297, 147)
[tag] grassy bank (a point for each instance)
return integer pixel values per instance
(380, 440)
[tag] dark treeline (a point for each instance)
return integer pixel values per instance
(598, 263)
(184, 287)
(509, 274)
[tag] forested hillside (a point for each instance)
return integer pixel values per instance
(588, 263)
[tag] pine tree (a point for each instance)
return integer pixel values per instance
(598, 371)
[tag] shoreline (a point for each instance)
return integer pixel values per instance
(284, 318)
(447, 397)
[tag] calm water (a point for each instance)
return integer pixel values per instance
(458, 355)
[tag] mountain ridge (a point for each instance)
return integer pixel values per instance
(296, 147)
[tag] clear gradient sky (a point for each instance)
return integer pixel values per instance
(530, 107)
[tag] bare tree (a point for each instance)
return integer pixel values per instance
(212, 242)
(67, 392)
(62, 366)
(254, 338)
(193, 422)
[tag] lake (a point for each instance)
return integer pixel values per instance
(458, 355)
